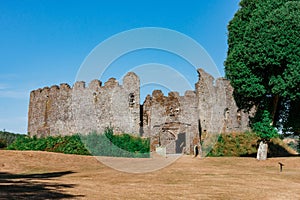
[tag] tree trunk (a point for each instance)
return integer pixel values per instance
(275, 108)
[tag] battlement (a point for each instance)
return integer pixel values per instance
(84, 107)
(96, 85)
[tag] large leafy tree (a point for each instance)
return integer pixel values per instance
(263, 60)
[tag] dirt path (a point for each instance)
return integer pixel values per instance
(43, 175)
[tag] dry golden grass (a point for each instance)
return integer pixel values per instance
(44, 175)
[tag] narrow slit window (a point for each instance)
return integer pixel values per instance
(131, 100)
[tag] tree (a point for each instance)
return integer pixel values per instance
(263, 129)
(263, 58)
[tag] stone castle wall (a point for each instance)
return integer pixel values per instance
(175, 122)
(178, 121)
(217, 108)
(62, 110)
(171, 121)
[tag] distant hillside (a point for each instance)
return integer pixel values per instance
(7, 138)
(245, 145)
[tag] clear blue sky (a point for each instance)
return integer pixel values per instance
(43, 43)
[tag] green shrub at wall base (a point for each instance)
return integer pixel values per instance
(106, 144)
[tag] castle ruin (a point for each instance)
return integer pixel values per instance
(175, 122)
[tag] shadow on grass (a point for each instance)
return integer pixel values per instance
(274, 150)
(34, 186)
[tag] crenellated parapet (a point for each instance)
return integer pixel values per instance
(83, 108)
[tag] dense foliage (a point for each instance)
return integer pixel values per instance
(62, 144)
(106, 144)
(123, 145)
(263, 128)
(263, 60)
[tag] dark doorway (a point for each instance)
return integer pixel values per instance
(180, 142)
